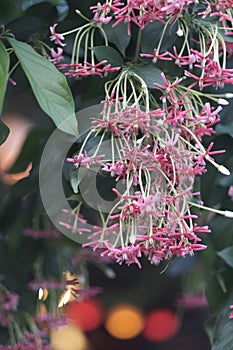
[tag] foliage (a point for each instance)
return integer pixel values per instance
(161, 83)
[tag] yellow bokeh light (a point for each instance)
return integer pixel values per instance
(124, 322)
(68, 337)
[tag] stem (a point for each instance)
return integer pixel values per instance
(138, 45)
(13, 68)
(226, 213)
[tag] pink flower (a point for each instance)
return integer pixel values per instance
(101, 18)
(129, 254)
(168, 86)
(183, 60)
(230, 192)
(231, 313)
(212, 75)
(56, 37)
(49, 320)
(156, 56)
(41, 234)
(190, 301)
(8, 305)
(56, 56)
(84, 161)
(46, 284)
(87, 69)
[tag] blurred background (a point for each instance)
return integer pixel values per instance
(161, 307)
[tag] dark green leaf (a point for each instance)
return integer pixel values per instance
(83, 6)
(49, 87)
(223, 335)
(118, 35)
(4, 132)
(227, 38)
(74, 179)
(187, 18)
(35, 20)
(4, 67)
(108, 53)
(225, 129)
(227, 255)
(151, 36)
(75, 198)
(150, 74)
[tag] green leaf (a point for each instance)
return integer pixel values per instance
(35, 21)
(226, 38)
(151, 36)
(118, 36)
(187, 18)
(4, 132)
(227, 255)
(49, 87)
(223, 335)
(74, 179)
(150, 74)
(225, 129)
(108, 53)
(4, 67)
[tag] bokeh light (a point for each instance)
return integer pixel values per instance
(86, 314)
(161, 325)
(124, 322)
(68, 337)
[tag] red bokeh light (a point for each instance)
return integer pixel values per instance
(87, 314)
(161, 325)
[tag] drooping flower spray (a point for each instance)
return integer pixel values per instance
(155, 131)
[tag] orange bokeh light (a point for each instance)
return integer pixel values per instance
(161, 325)
(124, 322)
(87, 314)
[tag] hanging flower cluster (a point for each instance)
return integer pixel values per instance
(8, 305)
(26, 337)
(30, 341)
(139, 12)
(87, 66)
(156, 153)
(155, 136)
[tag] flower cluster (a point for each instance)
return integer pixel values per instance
(223, 11)
(8, 305)
(21, 338)
(139, 12)
(155, 150)
(142, 12)
(32, 341)
(77, 69)
(156, 154)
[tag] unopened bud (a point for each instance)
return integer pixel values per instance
(223, 102)
(229, 95)
(180, 32)
(110, 273)
(223, 170)
(229, 214)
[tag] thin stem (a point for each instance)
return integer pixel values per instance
(138, 45)
(227, 213)
(13, 68)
